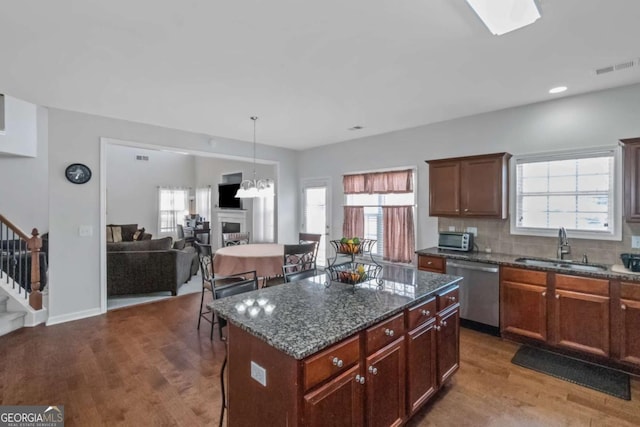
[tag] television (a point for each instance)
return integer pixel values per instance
(227, 196)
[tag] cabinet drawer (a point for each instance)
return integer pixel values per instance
(420, 313)
(521, 275)
(431, 263)
(448, 298)
(384, 333)
(582, 284)
(330, 362)
(630, 291)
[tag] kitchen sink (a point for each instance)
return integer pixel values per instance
(558, 263)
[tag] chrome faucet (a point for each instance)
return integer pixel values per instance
(563, 243)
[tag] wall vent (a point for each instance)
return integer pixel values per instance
(143, 158)
(617, 67)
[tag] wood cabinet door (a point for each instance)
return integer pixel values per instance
(421, 365)
(632, 179)
(448, 342)
(385, 385)
(337, 403)
(481, 187)
(581, 322)
(444, 188)
(523, 309)
(630, 331)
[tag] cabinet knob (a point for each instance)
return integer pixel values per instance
(388, 332)
(337, 362)
(623, 307)
(452, 299)
(425, 312)
(466, 210)
(359, 379)
(557, 296)
(443, 323)
(373, 370)
(544, 293)
(437, 328)
(429, 263)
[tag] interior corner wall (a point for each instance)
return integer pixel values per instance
(24, 197)
(74, 270)
(592, 120)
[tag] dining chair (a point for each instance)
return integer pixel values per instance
(298, 257)
(308, 238)
(187, 239)
(232, 239)
(221, 287)
(293, 275)
(203, 248)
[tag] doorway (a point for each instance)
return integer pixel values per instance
(315, 213)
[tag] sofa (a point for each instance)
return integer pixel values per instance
(138, 267)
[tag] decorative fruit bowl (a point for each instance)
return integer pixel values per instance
(353, 273)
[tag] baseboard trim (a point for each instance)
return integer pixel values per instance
(63, 318)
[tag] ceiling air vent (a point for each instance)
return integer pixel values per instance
(617, 67)
(143, 158)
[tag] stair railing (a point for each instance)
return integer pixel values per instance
(16, 248)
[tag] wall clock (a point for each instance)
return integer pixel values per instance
(78, 173)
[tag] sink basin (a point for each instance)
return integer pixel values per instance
(557, 263)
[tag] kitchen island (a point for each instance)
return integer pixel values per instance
(306, 354)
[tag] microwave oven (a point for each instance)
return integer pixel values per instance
(455, 241)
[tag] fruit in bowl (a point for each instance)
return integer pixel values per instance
(350, 245)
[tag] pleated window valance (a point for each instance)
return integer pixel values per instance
(379, 182)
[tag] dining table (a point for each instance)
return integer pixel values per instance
(266, 259)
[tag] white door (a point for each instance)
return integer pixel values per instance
(315, 213)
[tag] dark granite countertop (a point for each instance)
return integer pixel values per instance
(306, 317)
(510, 260)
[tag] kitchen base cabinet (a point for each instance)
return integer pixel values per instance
(385, 385)
(523, 303)
(434, 264)
(581, 314)
(629, 327)
(448, 342)
(338, 403)
(422, 382)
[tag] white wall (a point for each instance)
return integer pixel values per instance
(20, 136)
(591, 120)
(132, 185)
(24, 189)
(74, 271)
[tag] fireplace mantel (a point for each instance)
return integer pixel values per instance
(229, 215)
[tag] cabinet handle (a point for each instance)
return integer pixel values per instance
(443, 323)
(359, 379)
(388, 332)
(623, 307)
(466, 210)
(437, 328)
(425, 312)
(429, 263)
(337, 362)
(544, 293)
(374, 371)
(557, 296)
(452, 299)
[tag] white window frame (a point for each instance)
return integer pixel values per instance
(616, 193)
(179, 214)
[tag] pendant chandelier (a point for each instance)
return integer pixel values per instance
(251, 188)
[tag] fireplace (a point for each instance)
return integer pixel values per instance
(230, 221)
(230, 227)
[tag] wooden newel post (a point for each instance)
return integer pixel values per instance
(34, 244)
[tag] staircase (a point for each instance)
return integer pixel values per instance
(9, 320)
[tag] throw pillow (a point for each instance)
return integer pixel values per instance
(117, 234)
(109, 234)
(138, 234)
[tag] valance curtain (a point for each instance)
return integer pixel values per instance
(399, 241)
(379, 182)
(353, 224)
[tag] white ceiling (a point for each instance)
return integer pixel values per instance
(309, 69)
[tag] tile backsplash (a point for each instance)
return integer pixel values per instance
(495, 234)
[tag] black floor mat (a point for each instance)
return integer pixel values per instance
(575, 371)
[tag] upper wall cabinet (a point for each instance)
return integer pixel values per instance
(632, 179)
(474, 186)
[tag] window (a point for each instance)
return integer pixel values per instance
(577, 191)
(173, 207)
(203, 202)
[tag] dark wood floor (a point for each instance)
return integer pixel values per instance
(147, 365)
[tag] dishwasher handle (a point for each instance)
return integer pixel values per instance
(473, 267)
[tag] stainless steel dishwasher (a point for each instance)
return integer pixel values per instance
(479, 293)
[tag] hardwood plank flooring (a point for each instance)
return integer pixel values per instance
(148, 365)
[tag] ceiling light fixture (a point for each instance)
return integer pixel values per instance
(502, 16)
(558, 89)
(251, 188)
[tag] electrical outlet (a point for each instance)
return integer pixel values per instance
(635, 242)
(473, 230)
(452, 228)
(258, 373)
(85, 231)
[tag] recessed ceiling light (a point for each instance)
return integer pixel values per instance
(558, 89)
(356, 128)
